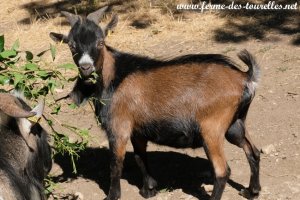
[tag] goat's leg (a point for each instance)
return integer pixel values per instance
(118, 139)
(213, 144)
(238, 135)
(118, 150)
(149, 184)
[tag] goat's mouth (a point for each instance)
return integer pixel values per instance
(86, 71)
(88, 76)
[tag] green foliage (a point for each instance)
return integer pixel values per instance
(64, 146)
(24, 71)
(53, 51)
(50, 186)
(1, 43)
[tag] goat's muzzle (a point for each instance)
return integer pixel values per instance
(86, 69)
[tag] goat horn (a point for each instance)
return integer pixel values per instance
(9, 105)
(97, 15)
(70, 17)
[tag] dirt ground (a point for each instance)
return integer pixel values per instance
(274, 117)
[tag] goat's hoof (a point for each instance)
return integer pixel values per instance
(249, 194)
(147, 193)
(112, 197)
(255, 189)
(108, 198)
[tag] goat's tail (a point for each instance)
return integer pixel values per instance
(253, 68)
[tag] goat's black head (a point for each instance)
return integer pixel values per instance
(86, 40)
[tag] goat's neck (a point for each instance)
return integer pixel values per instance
(108, 67)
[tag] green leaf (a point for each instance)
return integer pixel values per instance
(16, 45)
(72, 79)
(68, 66)
(43, 74)
(8, 53)
(4, 80)
(43, 91)
(18, 78)
(95, 75)
(53, 51)
(72, 106)
(31, 66)
(56, 109)
(51, 85)
(1, 43)
(84, 133)
(42, 53)
(50, 122)
(29, 55)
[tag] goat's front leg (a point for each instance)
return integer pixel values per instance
(118, 138)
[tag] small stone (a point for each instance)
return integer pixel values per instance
(268, 149)
(104, 143)
(58, 90)
(78, 196)
(207, 188)
(295, 135)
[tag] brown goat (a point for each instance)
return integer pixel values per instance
(190, 101)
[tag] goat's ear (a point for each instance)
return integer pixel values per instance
(111, 25)
(97, 15)
(57, 37)
(39, 109)
(25, 129)
(70, 17)
(25, 125)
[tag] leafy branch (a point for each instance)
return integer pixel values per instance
(24, 71)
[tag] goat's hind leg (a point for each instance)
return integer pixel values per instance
(149, 184)
(238, 135)
(213, 144)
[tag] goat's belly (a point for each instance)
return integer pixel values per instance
(175, 133)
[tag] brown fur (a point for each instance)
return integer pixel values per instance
(105, 67)
(206, 93)
(179, 96)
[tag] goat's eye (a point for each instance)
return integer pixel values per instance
(100, 44)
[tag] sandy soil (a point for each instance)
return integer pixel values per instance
(274, 117)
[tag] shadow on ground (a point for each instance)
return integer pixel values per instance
(41, 10)
(243, 25)
(172, 171)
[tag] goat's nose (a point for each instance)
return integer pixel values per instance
(86, 66)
